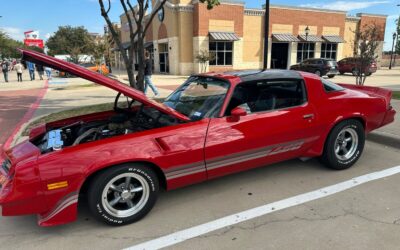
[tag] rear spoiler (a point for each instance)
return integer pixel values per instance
(372, 91)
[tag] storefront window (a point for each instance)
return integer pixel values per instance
(329, 50)
(305, 51)
(222, 52)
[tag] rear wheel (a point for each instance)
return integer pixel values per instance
(317, 72)
(341, 72)
(344, 145)
(123, 194)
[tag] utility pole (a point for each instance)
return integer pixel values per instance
(391, 55)
(266, 34)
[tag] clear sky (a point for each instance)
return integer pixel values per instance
(47, 15)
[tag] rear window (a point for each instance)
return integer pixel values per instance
(330, 86)
(331, 63)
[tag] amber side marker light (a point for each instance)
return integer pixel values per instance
(57, 185)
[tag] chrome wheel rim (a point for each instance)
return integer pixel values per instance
(125, 195)
(346, 144)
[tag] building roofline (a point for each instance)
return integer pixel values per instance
(291, 7)
(231, 2)
(371, 15)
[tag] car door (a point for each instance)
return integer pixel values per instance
(279, 125)
(312, 65)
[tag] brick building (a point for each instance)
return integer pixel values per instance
(234, 34)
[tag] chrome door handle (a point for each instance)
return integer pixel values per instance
(308, 116)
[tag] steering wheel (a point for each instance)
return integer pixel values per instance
(129, 104)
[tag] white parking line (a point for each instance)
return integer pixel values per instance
(189, 233)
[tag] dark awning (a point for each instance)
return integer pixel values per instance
(223, 36)
(333, 39)
(148, 44)
(125, 45)
(284, 38)
(310, 38)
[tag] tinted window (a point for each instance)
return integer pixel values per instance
(267, 95)
(330, 86)
(331, 63)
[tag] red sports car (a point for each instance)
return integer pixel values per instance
(213, 125)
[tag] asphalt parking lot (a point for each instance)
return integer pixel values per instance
(364, 217)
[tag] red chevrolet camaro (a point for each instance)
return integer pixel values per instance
(213, 125)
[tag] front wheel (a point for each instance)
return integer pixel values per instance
(123, 194)
(344, 145)
(317, 72)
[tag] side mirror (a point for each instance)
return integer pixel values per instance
(236, 113)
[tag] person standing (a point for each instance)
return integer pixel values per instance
(40, 70)
(19, 68)
(48, 72)
(147, 75)
(5, 67)
(31, 69)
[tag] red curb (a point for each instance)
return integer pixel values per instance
(28, 115)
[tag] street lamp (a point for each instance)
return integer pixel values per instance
(307, 31)
(391, 55)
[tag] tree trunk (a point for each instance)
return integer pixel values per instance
(141, 60)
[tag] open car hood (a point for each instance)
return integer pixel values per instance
(40, 58)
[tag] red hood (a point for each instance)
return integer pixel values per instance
(79, 71)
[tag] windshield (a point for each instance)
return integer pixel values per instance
(199, 97)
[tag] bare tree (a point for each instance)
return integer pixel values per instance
(368, 40)
(139, 22)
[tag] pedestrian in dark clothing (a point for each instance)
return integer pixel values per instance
(5, 67)
(19, 68)
(147, 75)
(40, 70)
(31, 68)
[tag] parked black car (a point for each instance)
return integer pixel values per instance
(320, 67)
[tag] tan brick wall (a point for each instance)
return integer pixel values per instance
(185, 25)
(221, 25)
(282, 28)
(335, 31)
(253, 27)
(349, 37)
(170, 22)
(313, 29)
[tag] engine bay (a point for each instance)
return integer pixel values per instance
(124, 121)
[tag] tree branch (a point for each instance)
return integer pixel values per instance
(115, 35)
(153, 13)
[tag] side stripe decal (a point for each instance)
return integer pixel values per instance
(65, 202)
(219, 162)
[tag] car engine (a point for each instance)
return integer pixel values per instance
(118, 124)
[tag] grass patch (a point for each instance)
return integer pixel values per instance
(67, 114)
(396, 95)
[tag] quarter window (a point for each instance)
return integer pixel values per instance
(305, 51)
(222, 52)
(329, 50)
(330, 86)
